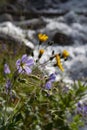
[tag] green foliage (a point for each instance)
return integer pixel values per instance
(36, 108)
(30, 106)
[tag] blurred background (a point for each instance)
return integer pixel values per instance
(64, 21)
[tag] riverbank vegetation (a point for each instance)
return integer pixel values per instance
(32, 99)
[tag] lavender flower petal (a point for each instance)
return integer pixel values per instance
(8, 85)
(24, 58)
(29, 62)
(85, 109)
(20, 70)
(6, 69)
(48, 85)
(18, 63)
(52, 77)
(27, 70)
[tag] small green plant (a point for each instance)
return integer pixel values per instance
(32, 100)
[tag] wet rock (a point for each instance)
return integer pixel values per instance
(63, 1)
(6, 17)
(62, 39)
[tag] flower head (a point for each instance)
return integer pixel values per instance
(48, 85)
(50, 80)
(52, 77)
(82, 109)
(79, 108)
(8, 85)
(65, 54)
(42, 37)
(23, 64)
(6, 69)
(59, 64)
(85, 109)
(41, 51)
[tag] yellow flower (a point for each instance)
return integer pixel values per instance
(59, 64)
(42, 37)
(65, 54)
(41, 51)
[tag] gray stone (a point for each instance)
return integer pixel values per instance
(6, 17)
(62, 39)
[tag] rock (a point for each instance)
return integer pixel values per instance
(64, 1)
(62, 39)
(6, 17)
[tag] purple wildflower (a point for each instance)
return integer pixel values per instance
(85, 109)
(50, 80)
(48, 85)
(8, 85)
(82, 109)
(6, 69)
(52, 77)
(79, 108)
(23, 64)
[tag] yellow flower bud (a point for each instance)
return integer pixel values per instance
(65, 54)
(41, 51)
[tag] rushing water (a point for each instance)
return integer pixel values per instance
(76, 66)
(72, 24)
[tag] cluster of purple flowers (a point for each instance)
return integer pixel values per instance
(50, 80)
(82, 109)
(23, 66)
